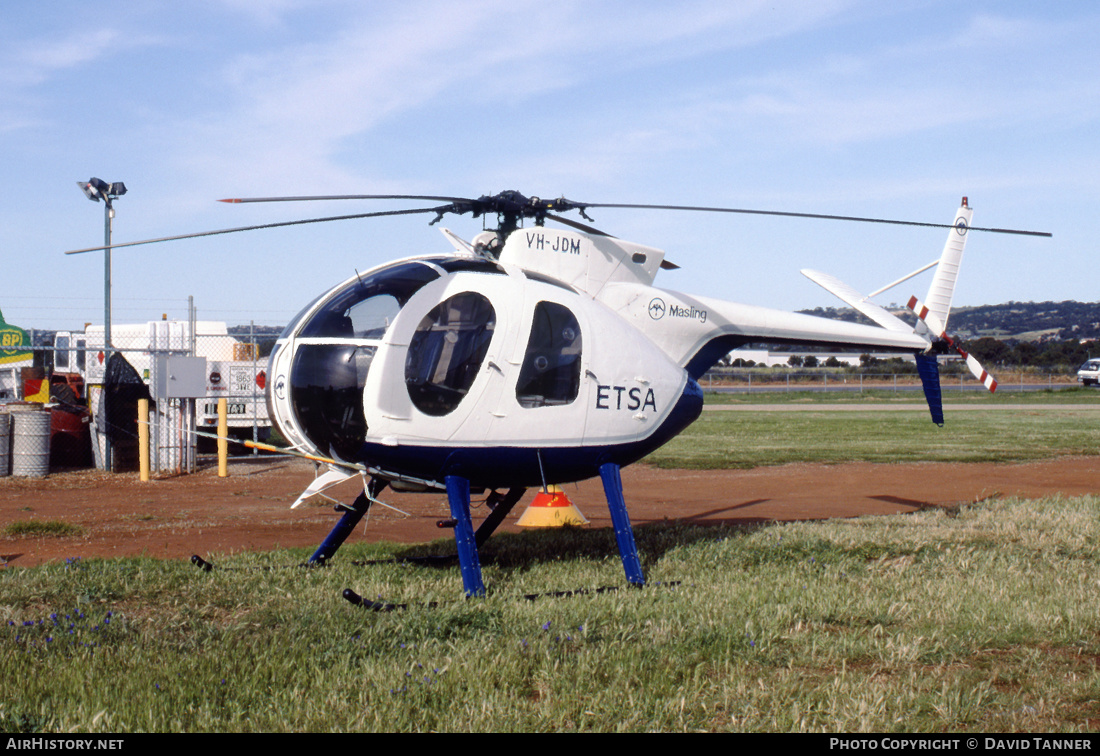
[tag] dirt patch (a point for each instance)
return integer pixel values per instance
(202, 514)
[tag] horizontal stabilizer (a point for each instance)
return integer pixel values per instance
(857, 301)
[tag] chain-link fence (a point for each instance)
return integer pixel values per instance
(90, 394)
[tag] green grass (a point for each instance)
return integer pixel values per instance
(38, 528)
(748, 439)
(979, 619)
(1065, 395)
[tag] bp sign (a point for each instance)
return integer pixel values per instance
(13, 343)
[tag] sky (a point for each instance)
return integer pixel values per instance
(890, 110)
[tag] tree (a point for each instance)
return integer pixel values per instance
(988, 351)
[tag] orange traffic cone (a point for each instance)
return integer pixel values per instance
(550, 509)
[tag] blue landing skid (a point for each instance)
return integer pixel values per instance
(347, 523)
(624, 533)
(458, 495)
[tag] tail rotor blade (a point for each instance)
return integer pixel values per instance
(929, 319)
(936, 327)
(979, 372)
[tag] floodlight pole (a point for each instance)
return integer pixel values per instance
(108, 217)
(95, 190)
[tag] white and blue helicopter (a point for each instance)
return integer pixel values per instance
(532, 356)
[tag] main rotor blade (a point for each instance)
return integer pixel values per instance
(578, 225)
(311, 198)
(818, 216)
(281, 224)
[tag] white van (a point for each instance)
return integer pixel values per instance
(1089, 374)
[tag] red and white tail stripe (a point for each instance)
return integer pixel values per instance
(929, 319)
(979, 372)
(936, 327)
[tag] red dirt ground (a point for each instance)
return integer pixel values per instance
(173, 518)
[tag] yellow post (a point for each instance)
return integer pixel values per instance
(143, 439)
(223, 433)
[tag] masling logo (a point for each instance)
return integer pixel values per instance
(658, 309)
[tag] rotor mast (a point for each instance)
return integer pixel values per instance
(511, 208)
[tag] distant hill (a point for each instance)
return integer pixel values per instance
(1012, 321)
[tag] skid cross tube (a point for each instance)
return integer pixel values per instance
(503, 505)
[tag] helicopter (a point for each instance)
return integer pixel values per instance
(532, 356)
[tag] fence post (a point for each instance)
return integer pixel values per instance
(143, 440)
(255, 400)
(223, 434)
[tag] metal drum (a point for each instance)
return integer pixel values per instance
(30, 443)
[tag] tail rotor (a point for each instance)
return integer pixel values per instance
(936, 327)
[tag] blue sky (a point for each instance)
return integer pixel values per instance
(891, 110)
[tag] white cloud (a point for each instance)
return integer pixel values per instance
(304, 102)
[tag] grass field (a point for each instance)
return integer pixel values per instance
(875, 396)
(978, 619)
(747, 439)
(750, 439)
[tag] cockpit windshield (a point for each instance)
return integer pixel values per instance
(330, 363)
(366, 306)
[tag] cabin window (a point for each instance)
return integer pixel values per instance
(551, 371)
(446, 352)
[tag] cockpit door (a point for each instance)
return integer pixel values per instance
(429, 380)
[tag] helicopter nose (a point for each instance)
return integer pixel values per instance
(277, 396)
(325, 384)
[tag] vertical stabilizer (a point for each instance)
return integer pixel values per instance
(929, 371)
(942, 289)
